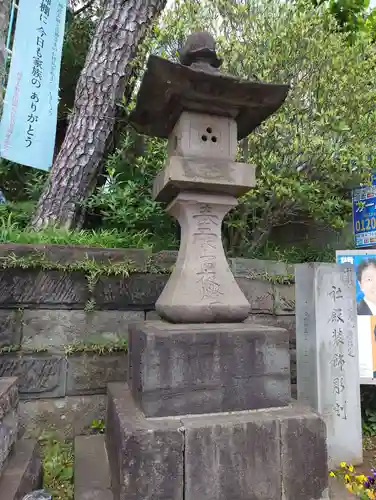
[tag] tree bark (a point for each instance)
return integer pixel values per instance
(4, 20)
(122, 26)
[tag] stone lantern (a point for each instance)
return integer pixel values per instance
(207, 413)
(203, 113)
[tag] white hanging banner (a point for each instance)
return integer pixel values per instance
(28, 123)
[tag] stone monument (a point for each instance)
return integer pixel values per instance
(327, 355)
(207, 412)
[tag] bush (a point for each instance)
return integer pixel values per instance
(125, 201)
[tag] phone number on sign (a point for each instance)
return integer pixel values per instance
(367, 224)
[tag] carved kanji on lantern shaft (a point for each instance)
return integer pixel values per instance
(203, 113)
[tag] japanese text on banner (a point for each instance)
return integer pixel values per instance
(28, 124)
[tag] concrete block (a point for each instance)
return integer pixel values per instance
(23, 473)
(111, 324)
(90, 373)
(33, 288)
(138, 292)
(146, 456)
(10, 327)
(327, 355)
(53, 329)
(190, 369)
(40, 375)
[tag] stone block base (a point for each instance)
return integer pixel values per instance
(275, 454)
(146, 457)
(203, 368)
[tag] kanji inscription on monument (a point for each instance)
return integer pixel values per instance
(327, 355)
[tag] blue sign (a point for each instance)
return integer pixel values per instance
(364, 215)
(28, 123)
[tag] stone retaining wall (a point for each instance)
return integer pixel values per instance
(65, 311)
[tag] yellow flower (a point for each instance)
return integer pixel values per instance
(361, 478)
(351, 468)
(349, 487)
(347, 478)
(343, 465)
(332, 474)
(371, 495)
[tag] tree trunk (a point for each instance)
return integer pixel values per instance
(4, 20)
(107, 69)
